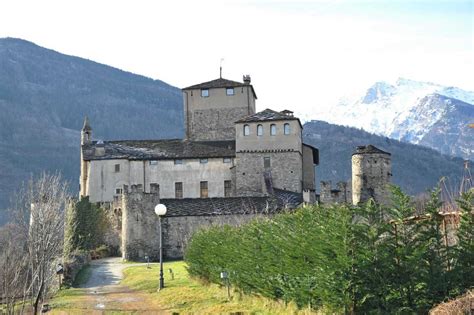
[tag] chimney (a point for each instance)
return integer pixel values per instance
(247, 79)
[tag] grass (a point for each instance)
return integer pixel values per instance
(82, 276)
(186, 295)
(182, 294)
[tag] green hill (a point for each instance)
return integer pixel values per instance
(415, 168)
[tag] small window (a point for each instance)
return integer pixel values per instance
(227, 188)
(117, 168)
(246, 130)
(205, 93)
(203, 161)
(286, 129)
(178, 190)
(273, 129)
(266, 162)
(204, 190)
(118, 191)
(227, 160)
(178, 162)
(153, 162)
(229, 91)
(259, 130)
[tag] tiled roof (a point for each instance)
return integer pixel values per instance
(369, 149)
(158, 149)
(280, 201)
(219, 83)
(267, 115)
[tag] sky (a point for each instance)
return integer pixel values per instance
(302, 55)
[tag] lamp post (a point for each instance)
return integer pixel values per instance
(160, 211)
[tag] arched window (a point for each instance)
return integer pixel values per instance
(273, 129)
(286, 129)
(259, 130)
(246, 130)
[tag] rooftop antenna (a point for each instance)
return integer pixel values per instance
(220, 68)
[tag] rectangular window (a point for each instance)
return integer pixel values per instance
(266, 162)
(227, 188)
(117, 168)
(178, 162)
(205, 93)
(153, 162)
(227, 160)
(118, 191)
(178, 190)
(204, 190)
(203, 161)
(229, 91)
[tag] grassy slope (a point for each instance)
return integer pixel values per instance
(184, 294)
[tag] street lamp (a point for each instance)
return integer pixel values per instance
(160, 211)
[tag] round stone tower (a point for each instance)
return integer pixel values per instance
(371, 172)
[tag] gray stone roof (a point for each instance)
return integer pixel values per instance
(267, 115)
(219, 83)
(157, 149)
(369, 149)
(278, 202)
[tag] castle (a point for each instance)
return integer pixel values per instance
(233, 164)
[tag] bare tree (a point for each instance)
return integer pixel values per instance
(13, 266)
(39, 216)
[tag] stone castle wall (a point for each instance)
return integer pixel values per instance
(214, 123)
(342, 193)
(286, 172)
(177, 231)
(140, 228)
(371, 177)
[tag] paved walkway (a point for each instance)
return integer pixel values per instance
(104, 294)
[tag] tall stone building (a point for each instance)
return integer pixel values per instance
(232, 162)
(371, 172)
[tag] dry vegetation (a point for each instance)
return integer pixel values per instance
(460, 306)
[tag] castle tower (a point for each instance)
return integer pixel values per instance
(270, 154)
(371, 172)
(86, 139)
(211, 108)
(86, 132)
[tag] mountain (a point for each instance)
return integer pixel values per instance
(417, 112)
(44, 96)
(415, 168)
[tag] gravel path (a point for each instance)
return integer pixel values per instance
(104, 293)
(105, 272)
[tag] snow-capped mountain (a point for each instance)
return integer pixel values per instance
(417, 112)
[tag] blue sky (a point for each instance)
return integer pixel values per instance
(302, 55)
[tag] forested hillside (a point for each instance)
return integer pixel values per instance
(415, 168)
(44, 96)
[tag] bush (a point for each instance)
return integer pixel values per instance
(280, 258)
(365, 259)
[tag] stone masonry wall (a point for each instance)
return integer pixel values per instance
(285, 168)
(371, 177)
(140, 227)
(214, 123)
(342, 193)
(177, 231)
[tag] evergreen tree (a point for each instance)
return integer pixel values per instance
(463, 268)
